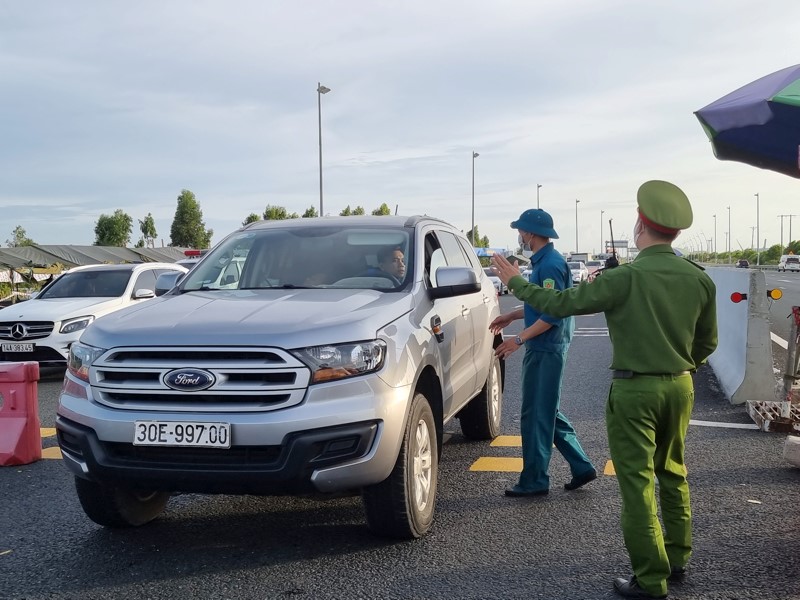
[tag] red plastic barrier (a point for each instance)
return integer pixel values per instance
(20, 437)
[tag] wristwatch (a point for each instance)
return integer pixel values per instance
(518, 340)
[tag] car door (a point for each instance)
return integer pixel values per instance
(457, 323)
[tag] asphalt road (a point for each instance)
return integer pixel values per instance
(483, 545)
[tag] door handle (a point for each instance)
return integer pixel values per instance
(464, 311)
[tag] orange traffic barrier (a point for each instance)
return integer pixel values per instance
(20, 437)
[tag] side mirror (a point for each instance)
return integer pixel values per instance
(455, 281)
(143, 294)
(167, 281)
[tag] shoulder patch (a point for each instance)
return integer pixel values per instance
(549, 284)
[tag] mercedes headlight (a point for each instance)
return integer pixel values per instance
(77, 324)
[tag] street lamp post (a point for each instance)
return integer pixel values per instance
(758, 232)
(602, 247)
(321, 89)
(715, 238)
(538, 187)
(730, 259)
(576, 225)
(472, 231)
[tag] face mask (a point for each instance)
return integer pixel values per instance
(637, 232)
(526, 249)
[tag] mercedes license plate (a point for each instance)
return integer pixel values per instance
(182, 433)
(18, 347)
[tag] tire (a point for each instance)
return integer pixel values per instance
(401, 506)
(480, 419)
(111, 506)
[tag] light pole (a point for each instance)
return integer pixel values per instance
(758, 232)
(576, 225)
(602, 247)
(715, 238)
(472, 231)
(538, 187)
(730, 260)
(321, 89)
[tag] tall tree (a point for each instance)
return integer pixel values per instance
(359, 210)
(148, 229)
(311, 212)
(113, 230)
(278, 213)
(382, 210)
(19, 238)
(251, 218)
(346, 212)
(188, 229)
(476, 240)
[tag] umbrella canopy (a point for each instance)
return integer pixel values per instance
(758, 124)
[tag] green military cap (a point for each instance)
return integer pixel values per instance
(664, 207)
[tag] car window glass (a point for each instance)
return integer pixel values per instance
(434, 258)
(452, 250)
(146, 280)
(470, 253)
(89, 283)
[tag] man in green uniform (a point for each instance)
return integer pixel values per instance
(661, 315)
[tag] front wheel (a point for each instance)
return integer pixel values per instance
(480, 418)
(401, 506)
(113, 506)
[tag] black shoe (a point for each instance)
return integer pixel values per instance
(518, 492)
(677, 575)
(629, 588)
(581, 480)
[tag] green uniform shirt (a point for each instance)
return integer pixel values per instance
(661, 310)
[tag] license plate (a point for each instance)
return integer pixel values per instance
(182, 433)
(18, 347)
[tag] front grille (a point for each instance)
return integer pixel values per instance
(30, 330)
(244, 379)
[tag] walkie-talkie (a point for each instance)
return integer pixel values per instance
(612, 262)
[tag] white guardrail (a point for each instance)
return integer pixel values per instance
(742, 361)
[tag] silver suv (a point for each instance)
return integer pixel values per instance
(288, 361)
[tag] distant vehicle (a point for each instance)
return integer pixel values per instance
(579, 271)
(594, 265)
(789, 262)
(43, 329)
(526, 272)
(499, 286)
(742, 264)
(583, 257)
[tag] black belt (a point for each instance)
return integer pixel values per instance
(618, 374)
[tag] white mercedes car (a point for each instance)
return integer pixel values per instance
(42, 329)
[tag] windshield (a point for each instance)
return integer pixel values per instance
(593, 263)
(88, 284)
(574, 265)
(793, 260)
(489, 272)
(324, 256)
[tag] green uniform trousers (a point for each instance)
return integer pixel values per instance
(647, 417)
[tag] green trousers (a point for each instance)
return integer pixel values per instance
(647, 418)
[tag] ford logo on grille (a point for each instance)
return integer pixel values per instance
(189, 380)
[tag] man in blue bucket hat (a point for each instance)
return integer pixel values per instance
(546, 340)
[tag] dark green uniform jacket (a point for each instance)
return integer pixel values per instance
(657, 282)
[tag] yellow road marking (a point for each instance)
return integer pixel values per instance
(507, 441)
(609, 470)
(47, 431)
(505, 464)
(54, 452)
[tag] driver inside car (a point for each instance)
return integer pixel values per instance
(391, 264)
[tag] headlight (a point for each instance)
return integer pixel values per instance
(81, 358)
(329, 363)
(76, 324)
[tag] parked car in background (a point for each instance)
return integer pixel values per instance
(789, 262)
(742, 264)
(43, 329)
(288, 362)
(579, 271)
(499, 286)
(594, 265)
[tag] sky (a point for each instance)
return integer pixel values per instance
(121, 105)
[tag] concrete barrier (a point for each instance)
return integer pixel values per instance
(742, 361)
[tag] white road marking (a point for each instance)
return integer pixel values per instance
(728, 425)
(779, 340)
